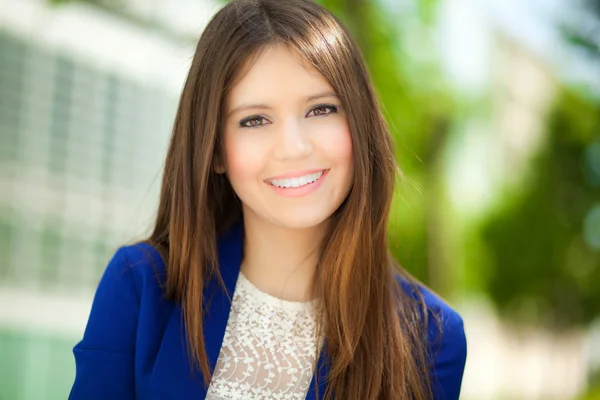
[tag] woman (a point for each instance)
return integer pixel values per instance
(267, 274)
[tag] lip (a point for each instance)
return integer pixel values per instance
(297, 174)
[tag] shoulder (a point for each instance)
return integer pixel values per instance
(129, 285)
(128, 297)
(138, 265)
(447, 342)
(441, 317)
(141, 258)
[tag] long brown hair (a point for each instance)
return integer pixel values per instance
(374, 331)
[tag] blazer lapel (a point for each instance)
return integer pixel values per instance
(172, 375)
(215, 321)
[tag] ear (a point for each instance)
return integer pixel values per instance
(219, 169)
(219, 165)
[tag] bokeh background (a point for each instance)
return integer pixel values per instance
(495, 110)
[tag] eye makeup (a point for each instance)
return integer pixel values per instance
(255, 121)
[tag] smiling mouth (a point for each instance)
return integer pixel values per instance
(290, 183)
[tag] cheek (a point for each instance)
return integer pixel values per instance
(243, 158)
(337, 143)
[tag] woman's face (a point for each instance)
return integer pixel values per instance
(288, 150)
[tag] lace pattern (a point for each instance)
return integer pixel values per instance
(268, 350)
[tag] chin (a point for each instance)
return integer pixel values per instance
(300, 220)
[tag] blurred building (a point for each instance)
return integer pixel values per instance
(87, 99)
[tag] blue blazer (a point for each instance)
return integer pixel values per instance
(134, 345)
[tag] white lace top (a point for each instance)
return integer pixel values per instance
(269, 348)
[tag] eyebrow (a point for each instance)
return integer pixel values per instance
(322, 95)
(314, 97)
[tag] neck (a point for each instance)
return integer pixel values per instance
(281, 261)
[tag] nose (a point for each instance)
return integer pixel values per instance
(293, 142)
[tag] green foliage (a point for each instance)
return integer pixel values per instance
(592, 394)
(544, 241)
(543, 267)
(585, 39)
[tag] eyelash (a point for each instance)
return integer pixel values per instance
(332, 109)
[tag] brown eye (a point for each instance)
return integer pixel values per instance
(322, 110)
(252, 122)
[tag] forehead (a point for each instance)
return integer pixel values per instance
(277, 71)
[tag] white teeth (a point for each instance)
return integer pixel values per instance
(296, 182)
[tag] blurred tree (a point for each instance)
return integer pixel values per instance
(544, 242)
(545, 267)
(585, 35)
